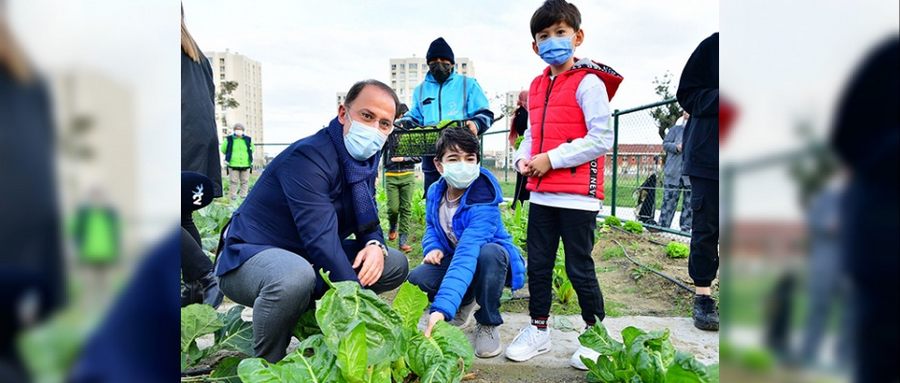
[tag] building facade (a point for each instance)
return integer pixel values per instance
(247, 73)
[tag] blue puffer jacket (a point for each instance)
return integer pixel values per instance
(477, 222)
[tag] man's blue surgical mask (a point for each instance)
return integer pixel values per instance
(556, 50)
(362, 141)
(460, 174)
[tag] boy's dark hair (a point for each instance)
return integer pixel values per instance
(357, 88)
(456, 138)
(552, 12)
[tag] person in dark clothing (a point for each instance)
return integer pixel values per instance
(32, 283)
(698, 95)
(199, 141)
(299, 216)
(400, 179)
(447, 95)
(517, 127)
(866, 138)
(199, 155)
(201, 285)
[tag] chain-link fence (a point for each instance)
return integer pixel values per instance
(637, 185)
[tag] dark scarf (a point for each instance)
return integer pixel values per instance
(360, 175)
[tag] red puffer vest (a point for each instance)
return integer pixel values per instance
(556, 118)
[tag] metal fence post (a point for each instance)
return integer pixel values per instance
(615, 169)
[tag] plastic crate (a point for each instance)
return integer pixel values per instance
(416, 142)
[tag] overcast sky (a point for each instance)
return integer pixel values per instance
(310, 52)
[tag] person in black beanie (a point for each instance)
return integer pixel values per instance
(698, 94)
(446, 95)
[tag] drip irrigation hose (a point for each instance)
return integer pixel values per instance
(667, 277)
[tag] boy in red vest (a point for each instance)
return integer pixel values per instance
(562, 154)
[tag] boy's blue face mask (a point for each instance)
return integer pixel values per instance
(556, 50)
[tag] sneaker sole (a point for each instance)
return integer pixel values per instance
(530, 355)
(706, 326)
(490, 354)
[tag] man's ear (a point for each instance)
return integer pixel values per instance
(579, 38)
(342, 110)
(438, 165)
(534, 47)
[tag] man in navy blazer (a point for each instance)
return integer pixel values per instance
(299, 216)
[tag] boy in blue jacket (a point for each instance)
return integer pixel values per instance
(469, 256)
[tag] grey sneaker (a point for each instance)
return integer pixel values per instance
(463, 316)
(487, 341)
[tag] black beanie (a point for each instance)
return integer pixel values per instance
(439, 49)
(196, 191)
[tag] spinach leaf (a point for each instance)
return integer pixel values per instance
(345, 304)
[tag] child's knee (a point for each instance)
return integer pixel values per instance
(492, 254)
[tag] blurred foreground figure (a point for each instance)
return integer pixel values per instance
(31, 273)
(866, 137)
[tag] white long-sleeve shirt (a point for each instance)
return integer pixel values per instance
(594, 102)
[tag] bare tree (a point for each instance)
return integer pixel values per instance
(225, 100)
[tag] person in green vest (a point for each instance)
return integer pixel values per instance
(238, 149)
(96, 232)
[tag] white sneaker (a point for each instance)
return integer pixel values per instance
(575, 360)
(530, 342)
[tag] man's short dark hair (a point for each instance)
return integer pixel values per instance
(357, 88)
(552, 12)
(460, 139)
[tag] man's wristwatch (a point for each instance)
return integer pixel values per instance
(384, 249)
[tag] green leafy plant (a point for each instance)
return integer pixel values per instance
(677, 250)
(634, 227)
(612, 221)
(364, 340)
(562, 286)
(230, 332)
(516, 223)
(642, 356)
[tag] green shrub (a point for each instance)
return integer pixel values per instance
(677, 250)
(612, 221)
(634, 227)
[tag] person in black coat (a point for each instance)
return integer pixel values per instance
(32, 283)
(698, 94)
(200, 155)
(517, 127)
(866, 138)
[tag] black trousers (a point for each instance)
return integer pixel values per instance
(546, 225)
(703, 263)
(194, 262)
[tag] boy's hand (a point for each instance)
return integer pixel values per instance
(433, 257)
(372, 260)
(540, 165)
(472, 127)
(522, 167)
(433, 319)
(397, 159)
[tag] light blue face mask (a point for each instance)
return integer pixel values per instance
(460, 174)
(556, 50)
(362, 141)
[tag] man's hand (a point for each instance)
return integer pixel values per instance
(433, 257)
(433, 319)
(397, 159)
(540, 165)
(472, 127)
(372, 260)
